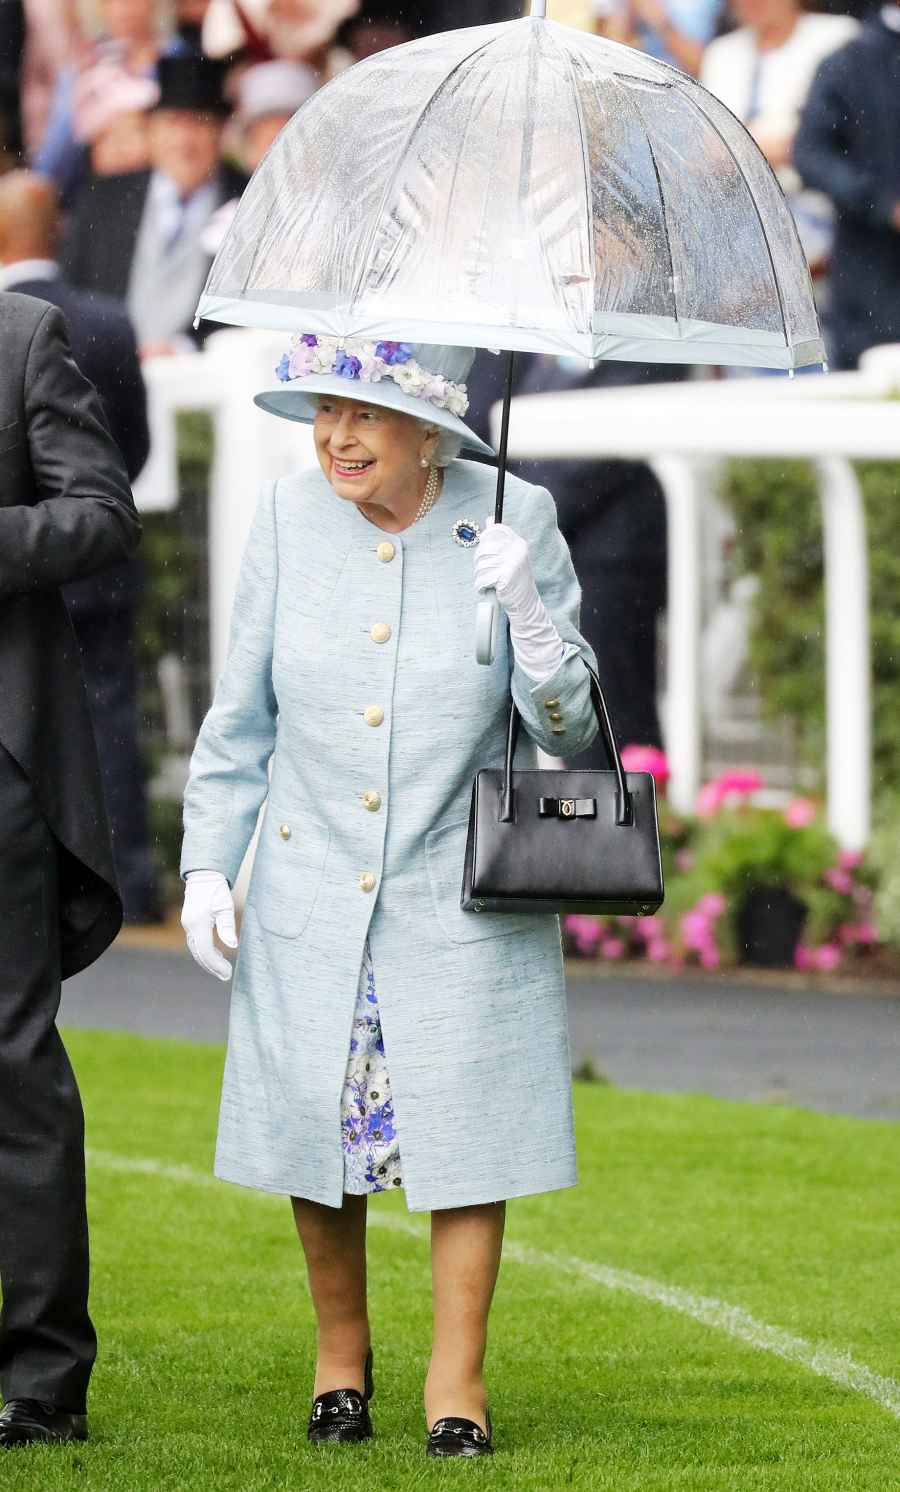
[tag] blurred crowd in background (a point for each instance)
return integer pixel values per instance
(129, 128)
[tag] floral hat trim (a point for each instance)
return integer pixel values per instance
(370, 362)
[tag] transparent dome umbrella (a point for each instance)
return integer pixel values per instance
(528, 187)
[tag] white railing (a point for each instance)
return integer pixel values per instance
(683, 429)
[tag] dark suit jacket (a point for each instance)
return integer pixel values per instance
(610, 511)
(103, 233)
(65, 511)
(848, 145)
(104, 347)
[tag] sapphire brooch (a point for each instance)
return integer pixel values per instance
(465, 532)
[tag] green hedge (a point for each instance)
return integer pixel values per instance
(779, 539)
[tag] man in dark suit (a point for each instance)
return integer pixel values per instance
(103, 607)
(612, 515)
(145, 237)
(65, 511)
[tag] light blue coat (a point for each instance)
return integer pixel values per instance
(472, 1005)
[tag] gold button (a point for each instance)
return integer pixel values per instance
(367, 881)
(374, 714)
(550, 704)
(555, 715)
(372, 800)
(557, 730)
(380, 632)
(385, 552)
(285, 831)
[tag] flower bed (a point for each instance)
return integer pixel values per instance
(745, 883)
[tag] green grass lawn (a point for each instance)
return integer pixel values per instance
(206, 1328)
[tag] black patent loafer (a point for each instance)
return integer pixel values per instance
(343, 1413)
(31, 1422)
(459, 1437)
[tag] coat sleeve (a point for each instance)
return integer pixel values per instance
(229, 768)
(83, 517)
(567, 692)
(821, 147)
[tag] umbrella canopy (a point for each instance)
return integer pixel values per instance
(522, 186)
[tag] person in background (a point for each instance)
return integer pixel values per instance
(103, 607)
(268, 96)
(112, 119)
(762, 72)
(53, 36)
(12, 44)
(293, 30)
(673, 31)
(612, 515)
(848, 145)
(189, 18)
(150, 253)
(134, 35)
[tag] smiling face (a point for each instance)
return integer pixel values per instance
(371, 455)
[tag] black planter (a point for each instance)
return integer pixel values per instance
(769, 923)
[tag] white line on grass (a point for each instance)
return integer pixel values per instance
(827, 1362)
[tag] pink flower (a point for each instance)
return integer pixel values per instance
(709, 801)
(647, 759)
(301, 360)
(658, 951)
(612, 948)
(371, 369)
(839, 880)
(646, 927)
(730, 788)
(586, 933)
(695, 929)
(864, 933)
(712, 904)
(684, 859)
(849, 859)
(709, 958)
(803, 957)
(827, 957)
(799, 813)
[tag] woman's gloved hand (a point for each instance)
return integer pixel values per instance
(502, 561)
(208, 904)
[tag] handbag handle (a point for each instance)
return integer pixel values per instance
(624, 814)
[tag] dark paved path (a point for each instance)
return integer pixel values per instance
(839, 1054)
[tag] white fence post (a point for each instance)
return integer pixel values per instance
(847, 653)
(683, 726)
(250, 447)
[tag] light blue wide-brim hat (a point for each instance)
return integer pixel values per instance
(294, 398)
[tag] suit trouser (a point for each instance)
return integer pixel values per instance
(47, 1341)
(620, 607)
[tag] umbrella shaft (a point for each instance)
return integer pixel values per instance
(504, 435)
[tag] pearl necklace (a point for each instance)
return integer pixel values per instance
(430, 495)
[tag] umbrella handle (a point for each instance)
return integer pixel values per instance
(487, 617)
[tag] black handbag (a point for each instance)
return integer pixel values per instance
(561, 840)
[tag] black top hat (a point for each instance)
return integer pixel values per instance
(194, 83)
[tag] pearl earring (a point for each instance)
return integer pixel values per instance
(424, 461)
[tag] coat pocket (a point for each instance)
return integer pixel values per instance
(445, 850)
(287, 875)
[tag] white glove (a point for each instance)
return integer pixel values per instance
(208, 903)
(502, 561)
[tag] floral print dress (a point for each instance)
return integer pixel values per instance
(368, 1132)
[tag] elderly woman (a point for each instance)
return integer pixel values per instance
(380, 1036)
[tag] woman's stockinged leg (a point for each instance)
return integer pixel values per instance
(334, 1242)
(466, 1244)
